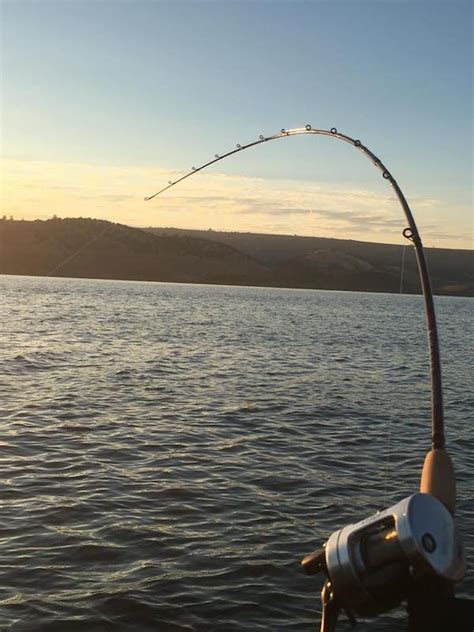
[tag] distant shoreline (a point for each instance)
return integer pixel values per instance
(95, 249)
(227, 285)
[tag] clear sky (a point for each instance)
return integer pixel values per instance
(105, 101)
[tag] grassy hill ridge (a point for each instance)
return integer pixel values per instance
(99, 249)
(324, 262)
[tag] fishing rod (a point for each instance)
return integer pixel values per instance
(411, 233)
(375, 564)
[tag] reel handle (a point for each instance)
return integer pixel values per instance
(315, 562)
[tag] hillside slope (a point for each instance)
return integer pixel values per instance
(99, 249)
(325, 263)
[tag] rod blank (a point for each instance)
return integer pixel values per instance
(411, 233)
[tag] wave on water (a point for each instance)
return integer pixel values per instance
(169, 453)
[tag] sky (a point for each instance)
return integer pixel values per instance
(105, 101)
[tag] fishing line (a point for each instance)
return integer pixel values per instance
(107, 227)
(402, 268)
(411, 233)
(388, 450)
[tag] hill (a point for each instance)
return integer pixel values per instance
(318, 262)
(99, 249)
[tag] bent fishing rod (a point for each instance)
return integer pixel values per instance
(375, 564)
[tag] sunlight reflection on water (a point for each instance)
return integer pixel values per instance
(169, 452)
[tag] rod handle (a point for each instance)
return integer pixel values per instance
(438, 478)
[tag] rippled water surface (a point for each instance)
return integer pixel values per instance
(170, 452)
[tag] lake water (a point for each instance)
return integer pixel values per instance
(170, 452)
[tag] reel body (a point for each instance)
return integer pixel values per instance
(370, 565)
